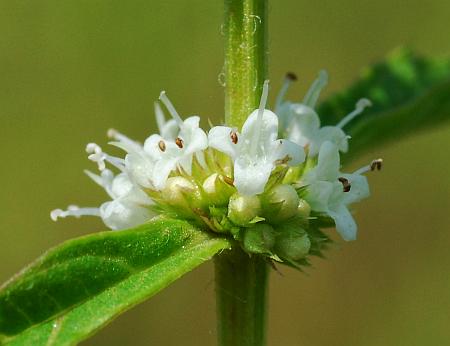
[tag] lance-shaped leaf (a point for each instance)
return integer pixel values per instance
(79, 286)
(409, 93)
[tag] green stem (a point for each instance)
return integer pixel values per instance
(245, 57)
(241, 290)
(241, 281)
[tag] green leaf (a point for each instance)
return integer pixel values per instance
(81, 285)
(408, 92)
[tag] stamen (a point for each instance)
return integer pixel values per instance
(173, 112)
(345, 183)
(162, 145)
(104, 180)
(234, 137)
(116, 135)
(179, 142)
(314, 91)
(98, 156)
(284, 160)
(288, 79)
(360, 106)
(374, 165)
(159, 115)
(291, 76)
(228, 180)
(73, 210)
(259, 119)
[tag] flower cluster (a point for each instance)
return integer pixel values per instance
(271, 185)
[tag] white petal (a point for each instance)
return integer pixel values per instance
(318, 195)
(121, 185)
(152, 146)
(219, 137)
(170, 130)
(302, 124)
(191, 122)
(198, 142)
(284, 148)
(328, 164)
(332, 134)
(186, 163)
(268, 127)
(345, 224)
(140, 169)
(121, 215)
(250, 178)
(162, 170)
(359, 188)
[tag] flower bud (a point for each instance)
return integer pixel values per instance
(304, 209)
(259, 238)
(180, 192)
(281, 203)
(243, 209)
(292, 243)
(217, 190)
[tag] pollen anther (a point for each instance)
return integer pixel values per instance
(234, 137)
(376, 164)
(162, 145)
(179, 142)
(345, 183)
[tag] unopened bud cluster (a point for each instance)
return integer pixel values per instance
(271, 195)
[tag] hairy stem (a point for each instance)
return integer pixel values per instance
(241, 289)
(241, 280)
(245, 57)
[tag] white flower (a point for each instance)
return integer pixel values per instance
(167, 129)
(301, 124)
(171, 153)
(256, 150)
(128, 207)
(151, 164)
(330, 191)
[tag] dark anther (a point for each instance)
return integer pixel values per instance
(345, 183)
(291, 76)
(179, 142)
(228, 180)
(234, 137)
(376, 164)
(162, 145)
(283, 160)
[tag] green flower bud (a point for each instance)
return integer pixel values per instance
(243, 209)
(292, 243)
(259, 238)
(280, 203)
(217, 190)
(181, 193)
(304, 209)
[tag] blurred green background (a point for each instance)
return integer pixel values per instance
(71, 69)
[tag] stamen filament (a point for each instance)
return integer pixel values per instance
(159, 115)
(290, 77)
(314, 91)
(360, 106)
(173, 112)
(375, 164)
(104, 180)
(259, 119)
(97, 155)
(116, 135)
(73, 210)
